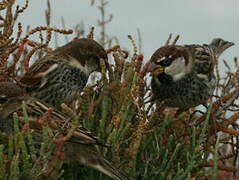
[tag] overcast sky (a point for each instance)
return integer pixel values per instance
(196, 21)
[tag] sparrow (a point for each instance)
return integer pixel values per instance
(183, 75)
(80, 147)
(62, 74)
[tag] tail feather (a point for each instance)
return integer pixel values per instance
(88, 155)
(219, 45)
(106, 167)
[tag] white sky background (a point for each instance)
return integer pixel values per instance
(196, 21)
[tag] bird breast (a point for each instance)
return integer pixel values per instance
(187, 92)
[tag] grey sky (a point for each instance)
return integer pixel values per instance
(196, 21)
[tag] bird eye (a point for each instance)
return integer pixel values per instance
(3, 100)
(166, 62)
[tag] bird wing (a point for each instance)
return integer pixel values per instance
(84, 136)
(203, 60)
(40, 113)
(60, 124)
(33, 77)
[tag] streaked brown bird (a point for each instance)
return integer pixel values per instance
(62, 74)
(80, 147)
(183, 76)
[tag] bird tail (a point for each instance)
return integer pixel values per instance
(107, 168)
(219, 46)
(88, 155)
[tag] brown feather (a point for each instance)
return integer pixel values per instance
(34, 76)
(171, 50)
(82, 49)
(79, 147)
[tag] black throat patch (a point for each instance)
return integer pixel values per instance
(165, 78)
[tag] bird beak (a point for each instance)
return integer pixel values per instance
(154, 69)
(150, 66)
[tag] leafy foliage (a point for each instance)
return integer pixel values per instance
(147, 142)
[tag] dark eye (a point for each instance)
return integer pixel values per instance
(165, 62)
(3, 100)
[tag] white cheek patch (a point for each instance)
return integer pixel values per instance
(177, 69)
(74, 62)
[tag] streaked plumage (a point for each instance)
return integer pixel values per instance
(62, 74)
(183, 76)
(81, 146)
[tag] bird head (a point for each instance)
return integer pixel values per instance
(9, 92)
(169, 63)
(85, 54)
